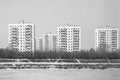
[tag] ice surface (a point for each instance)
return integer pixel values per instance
(60, 74)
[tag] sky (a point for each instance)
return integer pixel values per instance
(48, 14)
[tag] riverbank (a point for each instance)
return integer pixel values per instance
(59, 63)
(48, 65)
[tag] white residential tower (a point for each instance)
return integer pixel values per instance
(49, 42)
(21, 36)
(106, 39)
(39, 44)
(69, 38)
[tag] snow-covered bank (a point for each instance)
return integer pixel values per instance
(49, 65)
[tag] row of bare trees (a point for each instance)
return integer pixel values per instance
(83, 54)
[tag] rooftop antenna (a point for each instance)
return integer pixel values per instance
(21, 21)
(68, 24)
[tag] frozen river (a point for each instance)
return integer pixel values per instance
(60, 74)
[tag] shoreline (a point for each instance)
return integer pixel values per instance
(51, 65)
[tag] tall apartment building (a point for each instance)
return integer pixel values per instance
(106, 39)
(21, 36)
(39, 44)
(49, 42)
(69, 38)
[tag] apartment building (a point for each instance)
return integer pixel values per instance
(69, 38)
(21, 36)
(49, 42)
(106, 39)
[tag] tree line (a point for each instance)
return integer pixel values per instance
(83, 54)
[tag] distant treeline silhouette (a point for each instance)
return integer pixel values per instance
(83, 54)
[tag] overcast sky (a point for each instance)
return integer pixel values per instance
(48, 14)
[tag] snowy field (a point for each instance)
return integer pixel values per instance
(60, 74)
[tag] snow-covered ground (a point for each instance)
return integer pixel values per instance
(60, 74)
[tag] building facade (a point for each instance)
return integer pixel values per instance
(49, 42)
(21, 36)
(106, 39)
(39, 44)
(69, 38)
